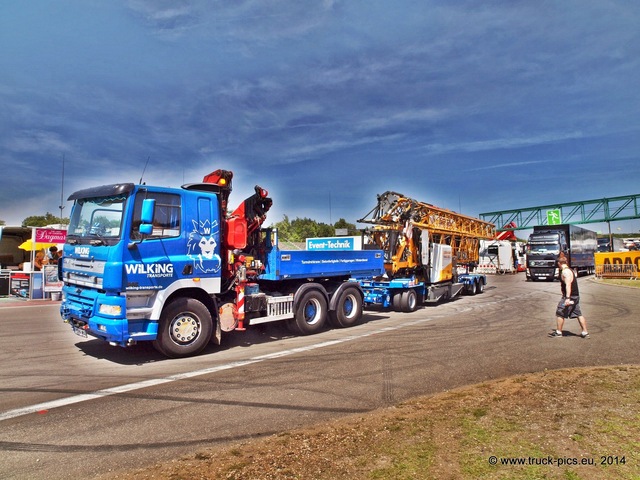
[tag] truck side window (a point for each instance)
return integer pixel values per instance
(166, 219)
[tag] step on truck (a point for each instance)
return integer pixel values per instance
(173, 267)
(429, 253)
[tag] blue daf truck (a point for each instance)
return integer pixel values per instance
(173, 266)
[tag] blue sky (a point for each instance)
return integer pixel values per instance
(471, 106)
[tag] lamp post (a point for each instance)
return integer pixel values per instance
(62, 192)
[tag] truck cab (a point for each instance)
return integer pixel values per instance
(120, 268)
(542, 255)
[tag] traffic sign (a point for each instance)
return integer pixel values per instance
(554, 217)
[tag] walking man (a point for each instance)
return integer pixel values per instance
(569, 305)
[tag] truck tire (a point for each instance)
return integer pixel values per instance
(311, 313)
(480, 286)
(348, 310)
(396, 302)
(184, 329)
(409, 301)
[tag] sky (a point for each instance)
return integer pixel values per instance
(471, 106)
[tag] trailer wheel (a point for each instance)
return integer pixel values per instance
(480, 286)
(311, 313)
(184, 329)
(409, 301)
(396, 302)
(348, 310)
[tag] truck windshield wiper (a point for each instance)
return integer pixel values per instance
(100, 240)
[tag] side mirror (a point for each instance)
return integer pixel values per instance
(146, 216)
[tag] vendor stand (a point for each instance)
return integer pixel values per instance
(36, 284)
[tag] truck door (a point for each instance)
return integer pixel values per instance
(203, 232)
(156, 260)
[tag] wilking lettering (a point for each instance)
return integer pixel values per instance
(150, 270)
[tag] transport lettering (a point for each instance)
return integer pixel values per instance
(150, 270)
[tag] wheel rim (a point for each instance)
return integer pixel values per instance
(412, 300)
(185, 329)
(349, 306)
(312, 312)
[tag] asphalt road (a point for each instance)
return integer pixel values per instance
(76, 408)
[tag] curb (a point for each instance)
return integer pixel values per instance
(11, 302)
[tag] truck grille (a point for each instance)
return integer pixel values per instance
(78, 306)
(542, 263)
(86, 273)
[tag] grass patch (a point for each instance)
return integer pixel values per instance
(624, 283)
(573, 424)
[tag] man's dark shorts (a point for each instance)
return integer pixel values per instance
(569, 311)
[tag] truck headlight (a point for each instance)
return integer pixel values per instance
(114, 310)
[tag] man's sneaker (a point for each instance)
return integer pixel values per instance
(555, 334)
(584, 335)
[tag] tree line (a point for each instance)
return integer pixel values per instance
(42, 220)
(299, 229)
(296, 230)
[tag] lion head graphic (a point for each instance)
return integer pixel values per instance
(202, 245)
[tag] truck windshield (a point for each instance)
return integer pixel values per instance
(544, 249)
(97, 221)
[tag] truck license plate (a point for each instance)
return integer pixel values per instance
(80, 332)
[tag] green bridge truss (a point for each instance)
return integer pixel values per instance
(589, 211)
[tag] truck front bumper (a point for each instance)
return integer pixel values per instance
(548, 273)
(104, 317)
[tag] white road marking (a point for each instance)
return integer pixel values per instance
(228, 366)
(46, 406)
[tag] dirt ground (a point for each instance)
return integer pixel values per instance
(558, 424)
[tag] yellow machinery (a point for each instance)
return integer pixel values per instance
(407, 231)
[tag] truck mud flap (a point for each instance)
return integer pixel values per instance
(443, 293)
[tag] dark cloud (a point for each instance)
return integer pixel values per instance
(323, 102)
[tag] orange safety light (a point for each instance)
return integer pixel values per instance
(222, 178)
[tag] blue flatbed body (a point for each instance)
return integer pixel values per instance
(292, 264)
(383, 292)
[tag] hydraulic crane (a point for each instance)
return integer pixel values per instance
(424, 241)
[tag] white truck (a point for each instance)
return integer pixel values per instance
(501, 256)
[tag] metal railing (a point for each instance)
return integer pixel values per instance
(617, 270)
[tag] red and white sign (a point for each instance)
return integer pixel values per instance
(50, 235)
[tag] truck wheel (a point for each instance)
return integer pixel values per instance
(396, 302)
(348, 309)
(409, 301)
(311, 313)
(480, 286)
(184, 329)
